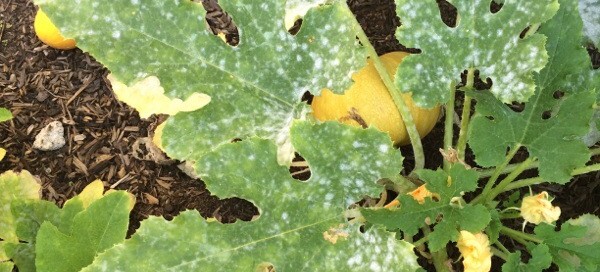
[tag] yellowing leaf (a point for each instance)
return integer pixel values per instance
(91, 193)
(14, 186)
(2, 153)
(148, 97)
(157, 139)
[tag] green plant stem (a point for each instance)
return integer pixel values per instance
(498, 171)
(519, 236)
(510, 215)
(439, 257)
(499, 253)
(465, 119)
(538, 180)
(484, 173)
(411, 128)
(510, 178)
(449, 123)
(421, 241)
(502, 247)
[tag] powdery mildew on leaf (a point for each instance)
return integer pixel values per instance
(453, 215)
(148, 97)
(255, 87)
(298, 220)
(550, 127)
(481, 40)
(590, 13)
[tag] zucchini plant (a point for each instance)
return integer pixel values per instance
(161, 53)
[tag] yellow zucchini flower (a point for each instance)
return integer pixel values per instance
(475, 249)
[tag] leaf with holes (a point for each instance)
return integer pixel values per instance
(553, 122)
(576, 246)
(301, 224)
(480, 40)
(255, 87)
(447, 207)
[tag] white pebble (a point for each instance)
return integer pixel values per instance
(50, 137)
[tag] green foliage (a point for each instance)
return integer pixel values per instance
(5, 115)
(540, 260)
(481, 40)
(295, 217)
(454, 214)
(549, 127)
(255, 87)
(38, 236)
(576, 246)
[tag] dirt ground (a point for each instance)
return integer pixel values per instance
(40, 85)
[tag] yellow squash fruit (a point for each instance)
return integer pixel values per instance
(368, 103)
(49, 34)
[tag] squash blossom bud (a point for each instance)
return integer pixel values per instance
(421, 193)
(537, 209)
(475, 249)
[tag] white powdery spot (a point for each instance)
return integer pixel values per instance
(383, 148)
(590, 14)
(296, 9)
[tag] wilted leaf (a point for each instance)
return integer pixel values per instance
(481, 40)
(553, 122)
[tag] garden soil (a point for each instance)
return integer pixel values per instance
(40, 85)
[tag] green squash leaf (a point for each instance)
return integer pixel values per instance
(13, 186)
(576, 247)
(481, 40)
(454, 216)
(550, 126)
(540, 260)
(255, 87)
(298, 221)
(97, 228)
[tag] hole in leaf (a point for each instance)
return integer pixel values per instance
(495, 7)
(478, 84)
(235, 140)
(491, 118)
(307, 97)
(230, 210)
(594, 55)
(546, 114)
(220, 23)
(524, 32)
(517, 106)
(296, 27)
(448, 13)
(558, 94)
(299, 168)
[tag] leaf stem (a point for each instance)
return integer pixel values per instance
(497, 172)
(449, 123)
(538, 180)
(465, 118)
(484, 173)
(502, 247)
(519, 236)
(510, 178)
(411, 128)
(499, 253)
(439, 257)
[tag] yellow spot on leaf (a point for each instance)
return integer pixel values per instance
(91, 193)
(157, 139)
(2, 153)
(148, 97)
(334, 234)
